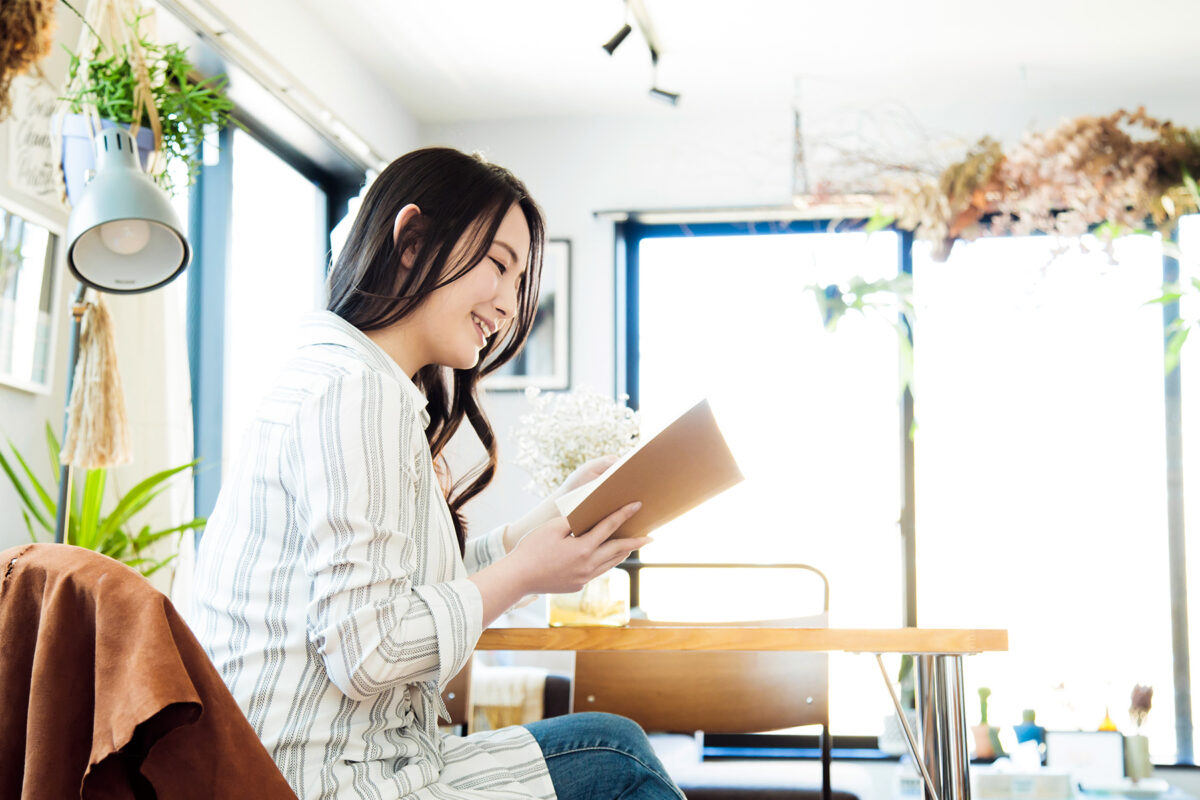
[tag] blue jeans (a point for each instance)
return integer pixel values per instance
(595, 756)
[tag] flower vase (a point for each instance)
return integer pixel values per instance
(601, 601)
(1137, 758)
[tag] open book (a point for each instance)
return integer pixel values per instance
(676, 470)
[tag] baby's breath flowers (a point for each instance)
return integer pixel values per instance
(565, 430)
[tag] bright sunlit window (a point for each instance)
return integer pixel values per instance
(1041, 472)
(1041, 479)
(275, 276)
(812, 418)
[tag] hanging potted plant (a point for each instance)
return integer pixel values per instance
(138, 84)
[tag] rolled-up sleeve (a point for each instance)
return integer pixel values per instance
(483, 551)
(372, 626)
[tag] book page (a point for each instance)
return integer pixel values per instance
(680, 467)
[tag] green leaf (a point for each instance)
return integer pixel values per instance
(1174, 345)
(137, 497)
(879, 221)
(52, 446)
(115, 546)
(50, 503)
(146, 538)
(29, 526)
(23, 493)
(1168, 297)
(159, 565)
(93, 494)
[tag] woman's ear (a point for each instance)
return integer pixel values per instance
(403, 219)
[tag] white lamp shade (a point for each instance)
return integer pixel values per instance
(123, 235)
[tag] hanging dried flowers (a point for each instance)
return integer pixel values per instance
(26, 35)
(1119, 172)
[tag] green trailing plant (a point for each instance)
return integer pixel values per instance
(891, 299)
(114, 533)
(186, 108)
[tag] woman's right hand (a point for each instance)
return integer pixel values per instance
(553, 561)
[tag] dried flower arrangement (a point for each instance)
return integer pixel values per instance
(1119, 172)
(564, 430)
(1112, 175)
(26, 36)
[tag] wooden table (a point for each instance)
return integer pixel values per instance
(941, 752)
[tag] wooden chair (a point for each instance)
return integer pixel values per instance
(714, 692)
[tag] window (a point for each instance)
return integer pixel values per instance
(1041, 477)
(1040, 465)
(260, 216)
(276, 274)
(812, 418)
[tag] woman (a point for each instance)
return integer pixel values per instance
(335, 588)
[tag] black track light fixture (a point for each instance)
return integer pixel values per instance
(670, 98)
(618, 37)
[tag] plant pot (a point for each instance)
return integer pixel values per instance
(985, 741)
(78, 155)
(1137, 758)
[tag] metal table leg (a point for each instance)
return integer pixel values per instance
(942, 714)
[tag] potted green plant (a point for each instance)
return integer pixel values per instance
(987, 737)
(113, 533)
(107, 80)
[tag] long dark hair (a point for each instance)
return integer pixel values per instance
(458, 195)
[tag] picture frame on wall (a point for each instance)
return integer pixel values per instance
(544, 362)
(29, 274)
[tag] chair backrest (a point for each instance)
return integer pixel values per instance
(710, 691)
(714, 692)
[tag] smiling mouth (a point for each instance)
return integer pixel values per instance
(482, 327)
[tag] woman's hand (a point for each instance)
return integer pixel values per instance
(547, 510)
(554, 561)
(585, 473)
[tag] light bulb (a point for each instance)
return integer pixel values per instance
(125, 236)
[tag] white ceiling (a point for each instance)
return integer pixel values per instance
(452, 60)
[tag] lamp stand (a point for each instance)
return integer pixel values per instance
(78, 307)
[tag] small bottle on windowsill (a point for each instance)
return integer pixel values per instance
(602, 601)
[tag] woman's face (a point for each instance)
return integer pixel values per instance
(455, 322)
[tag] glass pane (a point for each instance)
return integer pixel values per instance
(1041, 486)
(275, 276)
(26, 302)
(812, 418)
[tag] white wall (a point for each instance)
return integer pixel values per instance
(328, 70)
(23, 415)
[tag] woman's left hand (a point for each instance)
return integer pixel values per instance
(547, 509)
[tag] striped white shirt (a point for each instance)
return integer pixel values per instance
(330, 593)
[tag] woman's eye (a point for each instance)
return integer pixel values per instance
(503, 269)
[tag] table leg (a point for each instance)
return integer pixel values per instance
(942, 713)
